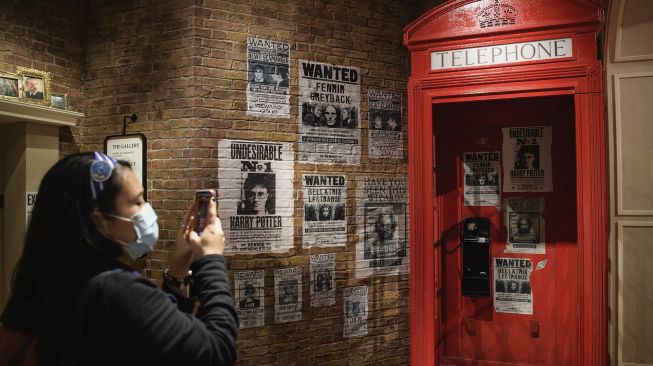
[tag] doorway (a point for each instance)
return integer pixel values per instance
(485, 330)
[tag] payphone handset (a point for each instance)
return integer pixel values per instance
(476, 238)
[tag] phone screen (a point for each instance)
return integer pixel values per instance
(203, 198)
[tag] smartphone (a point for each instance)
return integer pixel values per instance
(203, 198)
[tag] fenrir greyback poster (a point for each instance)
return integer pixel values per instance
(256, 196)
(329, 118)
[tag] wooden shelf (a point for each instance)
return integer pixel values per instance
(13, 111)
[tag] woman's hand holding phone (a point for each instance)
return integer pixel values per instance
(211, 240)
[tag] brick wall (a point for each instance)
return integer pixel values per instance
(46, 36)
(181, 66)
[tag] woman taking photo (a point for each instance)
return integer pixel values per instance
(76, 290)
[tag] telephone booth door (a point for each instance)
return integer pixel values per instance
(527, 316)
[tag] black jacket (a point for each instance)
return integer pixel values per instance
(129, 321)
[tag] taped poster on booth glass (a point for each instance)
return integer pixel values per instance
(527, 165)
(268, 93)
(288, 294)
(382, 220)
(249, 295)
(385, 137)
(512, 285)
(329, 119)
(355, 311)
(481, 169)
(323, 279)
(325, 200)
(255, 196)
(525, 225)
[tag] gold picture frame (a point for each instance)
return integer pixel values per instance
(11, 86)
(36, 86)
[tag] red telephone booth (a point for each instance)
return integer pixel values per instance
(507, 145)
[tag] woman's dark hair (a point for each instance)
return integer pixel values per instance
(62, 229)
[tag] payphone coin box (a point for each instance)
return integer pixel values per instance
(476, 257)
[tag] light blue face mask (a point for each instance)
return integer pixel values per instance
(147, 231)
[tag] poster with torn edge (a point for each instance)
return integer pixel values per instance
(385, 137)
(325, 204)
(355, 309)
(268, 92)
(382, 220)
(256, 196)
(482, 178)
(249, 293)
(525, 225)
(329, 118)
(512, 285)
(288, 294)
(323, 279)
(527, 165)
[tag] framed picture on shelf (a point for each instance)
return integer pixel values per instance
(36, 86)
(59, 101)
(10, 85)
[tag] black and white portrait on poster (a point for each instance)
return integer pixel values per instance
(355, 311)
(525, 225)
(256, 196)
(288, 294)
(268, 92)
(481, 181)
(249, 298)
(527, 165)
(325, 200)
(382, 218)
(329, 118)
(323, 279)
(385, 136)
(512, 285)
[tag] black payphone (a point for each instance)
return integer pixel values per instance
(476, 257)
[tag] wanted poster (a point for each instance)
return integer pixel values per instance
(249, 293)
(385, 138)
(525, 225)
(481, 179)
(325, 199)
(256, 196)
(323, 279)
(329, 104)
(527, 163)
(268, 93)
(288, 294)
(355, 311)
(382, 219)
(512, 285)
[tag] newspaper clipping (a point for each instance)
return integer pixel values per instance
(323, 279)
(525, 225)
(268, 94)
(385, 138)
(288, 291)
(249, 293)
(512, 286)
(382, 216)
(256, 196)
(329, 104)
(482, 178)
(355, 311)
(325, 199)
(527, 159)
